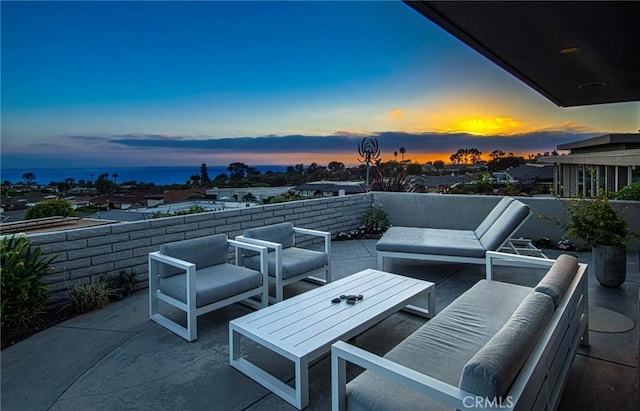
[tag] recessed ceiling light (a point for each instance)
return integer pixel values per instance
(595, 84)
(569, 50)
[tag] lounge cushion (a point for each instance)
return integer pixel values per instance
(506, 224)
(493, 216)
(556, 282)
(212, 283)
(295, 261)
(462, 243)
(203, 252)
(493, 369)
(440, 348)
(277, 233)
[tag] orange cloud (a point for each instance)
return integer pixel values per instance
(396, 113)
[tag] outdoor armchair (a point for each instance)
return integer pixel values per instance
(195, 277)
(286, 262)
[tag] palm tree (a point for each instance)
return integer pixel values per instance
(115, 177)
(402, 151)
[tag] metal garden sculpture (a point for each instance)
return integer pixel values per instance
(369, 151)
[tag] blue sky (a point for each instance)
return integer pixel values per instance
(182, 83)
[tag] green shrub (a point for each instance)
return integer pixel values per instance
(630, 192)
(21, 271)
(90, 296)
(375, 221)
(49, 208)
(124, 285)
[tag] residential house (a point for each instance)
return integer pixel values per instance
(330, 188)
(609, 162)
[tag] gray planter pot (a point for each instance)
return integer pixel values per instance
(609, 265)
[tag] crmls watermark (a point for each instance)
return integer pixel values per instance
(471, 402)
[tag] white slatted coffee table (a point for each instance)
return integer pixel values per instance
(303, 328)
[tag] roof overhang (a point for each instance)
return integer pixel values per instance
(604, 158)
(574, 53)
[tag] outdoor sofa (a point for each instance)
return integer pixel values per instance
(498, 345)
(463, 246)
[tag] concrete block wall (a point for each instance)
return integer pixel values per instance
(93, 253)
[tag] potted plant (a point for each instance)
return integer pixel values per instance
(597, 223)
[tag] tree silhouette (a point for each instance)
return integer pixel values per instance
(103, 184)
(402, 151)
(496, 154)
(29, 178)
(204, 174)
(466, 156)
(115, 177)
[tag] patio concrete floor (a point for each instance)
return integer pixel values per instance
(117, 359)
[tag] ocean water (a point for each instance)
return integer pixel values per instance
(156, 175)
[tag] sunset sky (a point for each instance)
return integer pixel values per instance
(183, 83)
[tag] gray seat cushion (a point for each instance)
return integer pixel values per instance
(493, 369)
(504, 225)
(213, 283)
(440, 348)
(203, 252)
(277, 233)
(462, 243)
(295, 261)
(556, 282)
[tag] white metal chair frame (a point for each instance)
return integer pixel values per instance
(190, 332)
(309, 275)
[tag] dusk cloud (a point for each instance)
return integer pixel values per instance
(388, 141)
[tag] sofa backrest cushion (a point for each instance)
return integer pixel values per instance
(277, 233)
(493, 216)
(516, 213)
(492, 370)
(202, 251)
(556, 282)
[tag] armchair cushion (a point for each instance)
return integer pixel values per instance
(203, 252)
(277, 233)
(213, 283)
(295, 261)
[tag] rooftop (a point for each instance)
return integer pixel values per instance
(626, 140)
(116, 358)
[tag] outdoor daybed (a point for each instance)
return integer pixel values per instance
(498, 345)
(463, 246)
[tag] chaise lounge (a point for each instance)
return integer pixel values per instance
(462, 246)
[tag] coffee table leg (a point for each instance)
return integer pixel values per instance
(430, 310)
(298, 397)
(302, 382)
